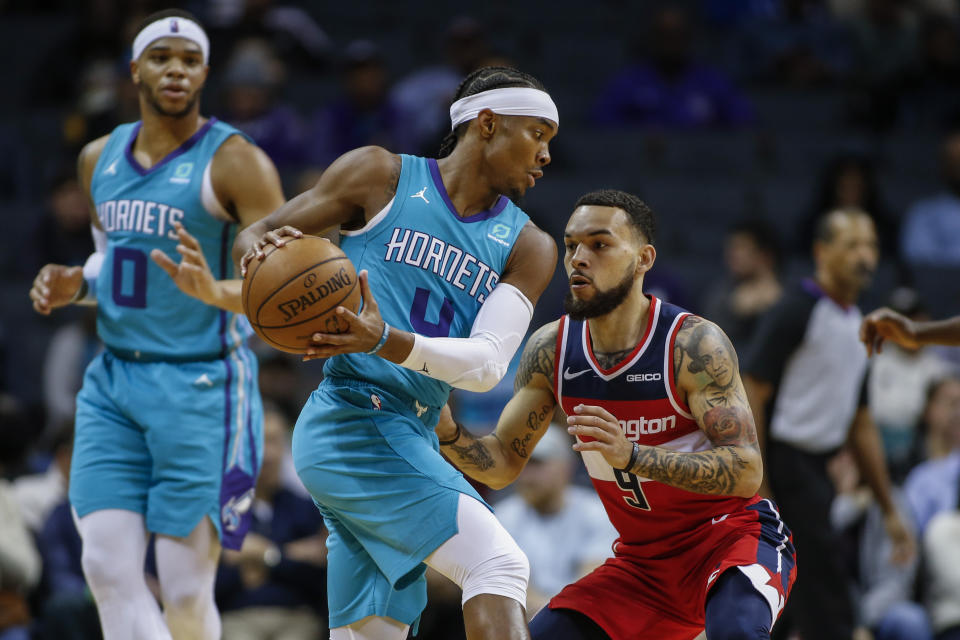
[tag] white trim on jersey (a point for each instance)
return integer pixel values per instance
(668, 374)
(558, 369)
(623, 366)
(208, 197)
(374, 221)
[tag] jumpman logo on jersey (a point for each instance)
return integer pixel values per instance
(420, 193)
(112, 169)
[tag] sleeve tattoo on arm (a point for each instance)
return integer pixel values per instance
(721, 409)
(538, 357)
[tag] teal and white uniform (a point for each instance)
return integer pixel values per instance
(364, 444)
(169, 420)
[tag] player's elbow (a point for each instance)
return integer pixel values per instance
(750, 478)
(483, 378)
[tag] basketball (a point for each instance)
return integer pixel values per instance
(293, 292)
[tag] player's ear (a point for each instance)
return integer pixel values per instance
(647, 256)
(488, 123)
(135, 71)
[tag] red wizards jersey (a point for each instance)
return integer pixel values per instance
(651, 517)
(673, 543)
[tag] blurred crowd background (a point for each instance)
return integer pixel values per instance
(739, 121)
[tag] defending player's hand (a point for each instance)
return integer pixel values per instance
(363, 330)
(192, 274)
(604, 429)
(277, 237)
(55, 286)
(887, 324)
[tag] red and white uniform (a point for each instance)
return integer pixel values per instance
(673, 543)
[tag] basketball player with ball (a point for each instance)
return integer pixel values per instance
(456, 268)
(168, 424)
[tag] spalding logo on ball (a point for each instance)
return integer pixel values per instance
(294, 292)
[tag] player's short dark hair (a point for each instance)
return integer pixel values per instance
(485, 79)
(641, 215)
(166, 13)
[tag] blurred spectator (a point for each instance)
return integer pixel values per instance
(251, 82)
(750, 285)
(940, 427)
(562, 528)
(62, 233)
(931, 231)
(19, 561)
(277, 580)
(883, 589)
(884, 40)
(799, 46)
(68, 611)
(897, 384)
(805, 373)
(72, 347)
(364, 115)
(424, 96)
(290, 31)
(732, 13)
(669, 87)
(932, 493)
(932, 95)
(38, 494)
(849, 181)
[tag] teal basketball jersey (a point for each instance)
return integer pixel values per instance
(142, 315)
(430, 270)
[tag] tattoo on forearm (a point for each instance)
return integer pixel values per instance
(472, 452)
(519, 445)
(538, 357)
(716, 472)
(536, 418)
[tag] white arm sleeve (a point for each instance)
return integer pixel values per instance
(479, 362)
(91, 268)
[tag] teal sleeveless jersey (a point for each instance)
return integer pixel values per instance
(430, 270)
(141, 312)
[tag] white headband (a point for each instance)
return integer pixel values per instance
(174, 27)
(509, 101)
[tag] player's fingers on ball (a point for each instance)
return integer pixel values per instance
(291, 231)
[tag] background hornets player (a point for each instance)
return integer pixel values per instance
(456, 268)
(656, 403)
(168, 424)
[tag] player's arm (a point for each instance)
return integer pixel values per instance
(887, 324)
(58, 285)
(351, 191)
(477, 362)
(732, 466)
(497, 458)
(245, 181)
(867, 449)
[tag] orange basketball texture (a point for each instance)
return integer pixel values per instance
(294, 291)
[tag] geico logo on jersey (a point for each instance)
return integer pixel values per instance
(644, 377)
(644, 427)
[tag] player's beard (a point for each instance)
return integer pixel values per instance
(602, 302)
(154, 103)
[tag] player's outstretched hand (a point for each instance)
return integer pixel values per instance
(887, 324)
(277, 237)
(55, 286)
(363, 330)
(604, 429)
(192, 274)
